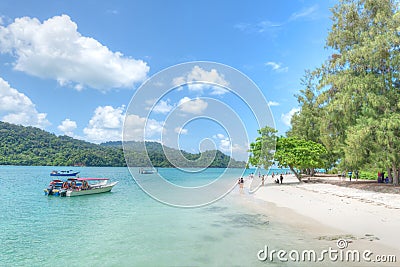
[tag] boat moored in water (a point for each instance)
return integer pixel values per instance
(79, 186)
(147, 170)
(69, 173)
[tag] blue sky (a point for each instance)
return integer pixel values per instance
(71, 67)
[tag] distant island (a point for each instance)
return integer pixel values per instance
(20, 145)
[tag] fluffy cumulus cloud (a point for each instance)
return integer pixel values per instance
(105, 125)
(287, 117)
(67, 127)
(162, 107)
(138, 128)
(55, 49)
(107, 122)
(17, 108)
(227, 146)
(199, 75)
(193, 106)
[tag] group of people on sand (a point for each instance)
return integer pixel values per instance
(350, 174)
(263, 177)
(280, 178)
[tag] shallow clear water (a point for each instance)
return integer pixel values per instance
(128, 228)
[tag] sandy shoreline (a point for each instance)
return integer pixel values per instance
(369, 220)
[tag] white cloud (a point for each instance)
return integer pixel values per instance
(134, 128)
(227, 146)
(67, 127)
(259, 27)
(105, 125)
(273, 103)
(220, 136)
(17, 108)
(309, 12)
(269, 27)
(162, 107)
(184, 100)
(224, 142)
(55, 49)
(218, 90)
(286, 117)
(277, 66)
(200, 75)
(180, 130)
(193, 106)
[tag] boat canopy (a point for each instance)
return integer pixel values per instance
(92, 179)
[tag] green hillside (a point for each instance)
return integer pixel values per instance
(157, 156)
(21, 145)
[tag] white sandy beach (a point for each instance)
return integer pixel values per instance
(371, 218)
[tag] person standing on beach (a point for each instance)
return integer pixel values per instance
(281, 178)
(263, 180)
(241, 183)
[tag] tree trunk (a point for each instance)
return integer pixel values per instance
(396, 173)
(298, 175)
(389, 171)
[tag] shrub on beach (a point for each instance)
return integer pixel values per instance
(368, 175)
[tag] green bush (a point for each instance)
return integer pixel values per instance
(333, 171)
(368, 175)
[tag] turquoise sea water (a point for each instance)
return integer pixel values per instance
(128, 228)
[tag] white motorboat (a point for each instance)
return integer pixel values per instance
(80, 186)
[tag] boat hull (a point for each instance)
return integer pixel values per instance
(95, 190)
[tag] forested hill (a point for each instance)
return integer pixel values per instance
(157, 156)
(21, 145)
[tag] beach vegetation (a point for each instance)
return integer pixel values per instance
(263, 149)
(299, 155)
(350, 104)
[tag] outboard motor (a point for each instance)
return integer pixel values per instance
(50, 190)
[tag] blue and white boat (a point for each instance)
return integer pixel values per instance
(69, 173)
